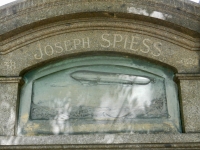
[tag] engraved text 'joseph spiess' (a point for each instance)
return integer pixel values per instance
(132, 43)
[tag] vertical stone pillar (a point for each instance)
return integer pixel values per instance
(8, 104)
(190, 96)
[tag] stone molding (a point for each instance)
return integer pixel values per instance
(10, 79)
(107, 139)
(32, 11)
(161, 146)
(149, 29)
(188, 76)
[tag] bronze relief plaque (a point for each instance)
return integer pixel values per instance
(99, 94)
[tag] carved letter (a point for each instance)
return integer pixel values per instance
(146, 45)
(76, 43)
(117, 40)
(50, 48)
(105, 40)
(133, 42)
(41, 54)
(125, 42)
(157, 46)
(86, 42)
(67, 43)
(60, 49)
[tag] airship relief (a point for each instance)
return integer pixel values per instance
(92, 77)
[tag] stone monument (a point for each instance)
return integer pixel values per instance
(99, 74)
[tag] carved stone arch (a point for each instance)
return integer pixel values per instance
(157, 30)
(35, 32)
(95, 35)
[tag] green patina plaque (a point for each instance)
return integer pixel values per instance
(99, 94)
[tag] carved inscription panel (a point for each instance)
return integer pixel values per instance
(98, 94)
(132, 42)
(63, 44)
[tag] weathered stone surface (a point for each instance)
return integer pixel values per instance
(45, 47)
(36, 32)
(179, 146)
(190, 102)
(35, 10)
(8, 105)
(157, 42)
(101, 139)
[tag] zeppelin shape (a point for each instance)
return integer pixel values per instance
(111, 78)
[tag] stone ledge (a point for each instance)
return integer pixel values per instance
(101, 139)
(179, 146)
(188, 76)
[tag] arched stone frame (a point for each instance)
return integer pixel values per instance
(178, 35)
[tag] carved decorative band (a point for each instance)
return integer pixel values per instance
(188, 76)
(10, 79)
(174, 37)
